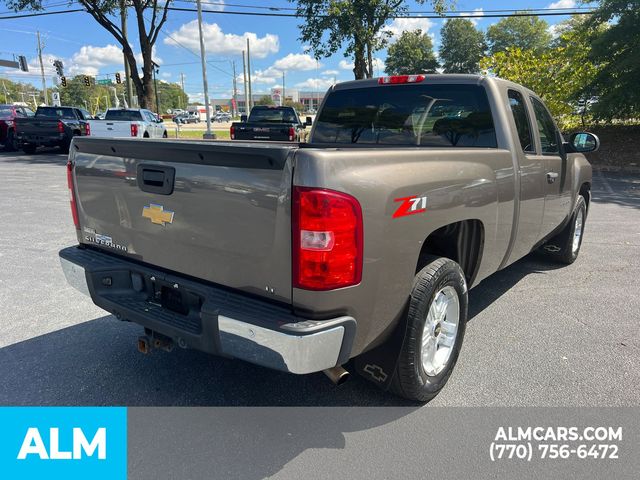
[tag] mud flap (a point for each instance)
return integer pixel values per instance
(378, 365)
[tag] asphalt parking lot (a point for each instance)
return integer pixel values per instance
(539, 334)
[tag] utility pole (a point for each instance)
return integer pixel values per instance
(182, 83)
(203, 55)
(249, 75)
(155, 67)
(282, 98)
(234, 109)
(127, 69)
(244, 79)
(44, 81)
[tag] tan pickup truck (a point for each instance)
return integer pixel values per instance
(361, 244)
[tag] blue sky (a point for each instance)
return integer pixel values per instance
(85, 47)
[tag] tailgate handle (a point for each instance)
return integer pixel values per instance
(156, 179)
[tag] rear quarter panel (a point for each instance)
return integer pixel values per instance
(459, 184)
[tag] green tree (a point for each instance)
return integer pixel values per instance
(355, 26)
(150, 16)
(412, 53)
(561, 75)
(616, 50)
(11, 92)
(171, 96)
(525, 33)
(463, 46)
(299, 107)
(264, 100)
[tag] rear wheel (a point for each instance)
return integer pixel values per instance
(29, 149)
(565, 247)
(164, 135)
(435, 328)
(11, 143)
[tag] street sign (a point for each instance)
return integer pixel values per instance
(55, 99)
(105, 82)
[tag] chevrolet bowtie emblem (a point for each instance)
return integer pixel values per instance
(157, 214)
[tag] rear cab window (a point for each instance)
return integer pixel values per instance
(417, 114)
(54, 112)
(123, 115)
(272, 115)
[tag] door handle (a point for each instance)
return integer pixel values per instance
(551, 177)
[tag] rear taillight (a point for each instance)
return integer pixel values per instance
(400, 79)
(87, 129)
(60, 127)
(232, 132)
(327, 239)
(292, 134)
(134, 129)
(72, 196)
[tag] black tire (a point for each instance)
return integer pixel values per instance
(29, 149)
(146, 135)
(410, 379)
(561, 247)
(11, 142)
(165, 135)
(64, 148)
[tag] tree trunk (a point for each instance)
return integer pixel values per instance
(359, 62)
(369, 61)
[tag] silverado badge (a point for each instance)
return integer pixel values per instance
(157, 214)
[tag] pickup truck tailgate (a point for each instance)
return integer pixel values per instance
(214, 211)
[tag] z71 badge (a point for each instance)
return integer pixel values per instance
(410, 206)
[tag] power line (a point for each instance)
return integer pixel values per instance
(475, 14)
(411, 15)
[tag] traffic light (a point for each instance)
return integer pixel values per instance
(87, 81)
(22, 61)
(63, 81)
(59, 67)
(118, 78)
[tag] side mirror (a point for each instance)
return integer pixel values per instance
(584, 142)
(308, 122)
(243, 118)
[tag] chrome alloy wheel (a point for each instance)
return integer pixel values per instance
(577, 231)
(440, 330)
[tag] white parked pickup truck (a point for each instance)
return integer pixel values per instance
(128, 122)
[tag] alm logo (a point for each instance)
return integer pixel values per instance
(33, 444)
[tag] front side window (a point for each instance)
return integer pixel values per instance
(521, 118)
(546, 127)
(424, 114)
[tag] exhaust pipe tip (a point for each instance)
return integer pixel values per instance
(337, 374)
(143, 345)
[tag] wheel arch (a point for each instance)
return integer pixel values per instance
(462, 242)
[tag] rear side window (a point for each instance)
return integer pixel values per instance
(418, 114)
(546, 127)
(521, 117)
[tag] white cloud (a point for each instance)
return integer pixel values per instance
(331, 72)
(346, 65)
(563, 4)
(476, 11)
(315, 84)
(400, 25)
(296, 61)
(220, 43)
(268, 76)
(89, 59)
(165, 75)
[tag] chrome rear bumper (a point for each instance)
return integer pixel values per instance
(282, 341)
